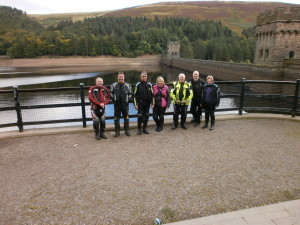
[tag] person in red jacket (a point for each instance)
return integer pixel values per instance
(99, 96)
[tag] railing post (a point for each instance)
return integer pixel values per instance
(242, 96)
(296, 98)
(18, 109)
(82, 104)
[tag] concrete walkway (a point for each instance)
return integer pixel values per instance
(284, 213)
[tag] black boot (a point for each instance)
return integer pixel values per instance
(155, 118)
(175, 125)
(117, 129)
(161, 125)
(206, 123)
(212, 126)
(145, 128)
(126, 128)
(102, 135)
(102, 128)
(139, 132)
(157, 127)
(97, 133)
(183, 126)
(197, 122)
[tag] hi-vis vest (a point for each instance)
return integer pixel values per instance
(187, 92)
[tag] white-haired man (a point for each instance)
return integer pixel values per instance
(181, 94)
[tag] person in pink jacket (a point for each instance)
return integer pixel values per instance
(162, 102)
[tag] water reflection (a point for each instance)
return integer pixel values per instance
(31, 80)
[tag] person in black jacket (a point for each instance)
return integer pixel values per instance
(211, 100)
(121, 93)
(143, 98)
(196, 109)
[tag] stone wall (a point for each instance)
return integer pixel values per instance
(277, 36)
(231, 71)
(278, 14)
(226, 71)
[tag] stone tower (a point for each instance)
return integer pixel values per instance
(173, 49)
(277, 36)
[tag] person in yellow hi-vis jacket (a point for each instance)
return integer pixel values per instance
(181, 94)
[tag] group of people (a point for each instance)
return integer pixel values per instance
(145, 95)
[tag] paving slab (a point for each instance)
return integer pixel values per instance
(274, 214)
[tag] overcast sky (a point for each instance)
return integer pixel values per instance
(65, 6)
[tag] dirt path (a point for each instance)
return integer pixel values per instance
(173, 175)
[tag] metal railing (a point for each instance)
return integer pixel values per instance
(245, 96)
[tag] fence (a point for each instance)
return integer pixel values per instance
(68, 105)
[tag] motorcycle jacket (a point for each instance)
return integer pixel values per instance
(187, 93)
(120, 92)
(214, 94)
(98, 95)
(162, 95)
(143, 92)
(197, 87)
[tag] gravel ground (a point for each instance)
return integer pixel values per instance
(172, 175)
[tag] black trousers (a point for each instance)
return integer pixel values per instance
(143, 112)
(182, 111)
(159, 114)
(209, 112)
(196, 110)
(120, 109)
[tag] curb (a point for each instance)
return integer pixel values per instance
(133, 125)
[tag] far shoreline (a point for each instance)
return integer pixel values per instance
(82, 64)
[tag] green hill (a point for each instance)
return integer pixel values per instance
(235, 15)
(15, 19)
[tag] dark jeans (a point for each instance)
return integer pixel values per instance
(209, 112)
(158, 115)
(196, 111)
(121, 109)
(182, 111)
(143, 112)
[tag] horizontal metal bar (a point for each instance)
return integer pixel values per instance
(270, 82)
(266, 109)
(269, 95)
(51, 121)
(6, 91)
(50, 89)
(8, 125)
(7, 108)
(49, 106)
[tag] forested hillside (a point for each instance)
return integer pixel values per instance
(235, 15)
(125, 36)
(15, 19)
